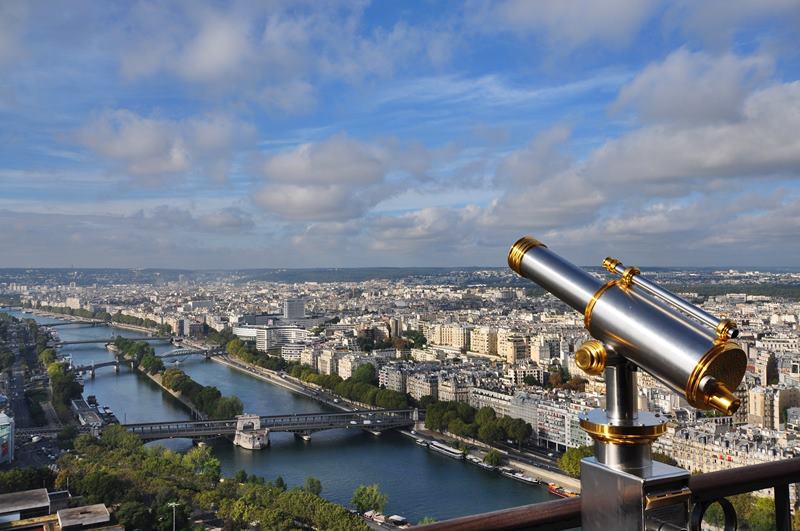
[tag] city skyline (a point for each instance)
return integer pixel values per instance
(229, 136)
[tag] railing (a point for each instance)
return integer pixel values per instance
(706, 489)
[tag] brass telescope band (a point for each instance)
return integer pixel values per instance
(680, 344)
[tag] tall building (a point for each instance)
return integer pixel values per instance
(422, 384)
(511, 346)
(6, 438)
(484, 341)
(328, 361)
(294, 308)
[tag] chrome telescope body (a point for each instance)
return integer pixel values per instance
(686, 348)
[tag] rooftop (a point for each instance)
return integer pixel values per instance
(87, 515)
(24, 500)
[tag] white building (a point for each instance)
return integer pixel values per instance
(294, 308)
(6, 438)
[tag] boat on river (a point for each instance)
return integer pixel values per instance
(509, 472)
(552, 488)
(478, 461)
(443, 449)
(421, 442)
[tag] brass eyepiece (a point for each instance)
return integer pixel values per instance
(611, 264)
(727, 329)
(591, 357)
(627, 276)
(718, 371)
(722, 399)
(518, 250)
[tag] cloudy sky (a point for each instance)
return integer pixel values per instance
(304, 134)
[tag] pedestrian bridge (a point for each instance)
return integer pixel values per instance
(109, 340)
(303, 425)
(85, 322)
(176, 353)
(252, 431)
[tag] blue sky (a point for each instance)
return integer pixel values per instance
(305, 134)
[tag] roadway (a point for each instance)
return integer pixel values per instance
(297, 423)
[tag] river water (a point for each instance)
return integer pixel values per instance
(418, 482)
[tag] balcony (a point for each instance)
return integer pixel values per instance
(706, 489)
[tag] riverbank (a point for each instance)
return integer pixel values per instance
(276, 379)
(68, 317)
(341, 459)
(196, 413)
(541, 474)
(301, 388)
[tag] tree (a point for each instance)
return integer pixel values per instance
(530, 380)
(202, 462)
(492, 458)
(416, 338)
(427, 520)
(134, 515)
(570, 462)
(490, 432)
(484, 415)
(313, 485)
(369, 498)
(426, 401)
(365, 374)
(519, 430)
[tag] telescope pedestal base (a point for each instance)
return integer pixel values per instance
(652, 498)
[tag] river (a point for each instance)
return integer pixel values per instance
(417, 481)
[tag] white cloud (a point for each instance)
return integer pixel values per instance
(716, 22)
(219, 50)
(694, 87)
(339, 178)
(13, 17)
(145, 146)
(275, 54)
(155, 147)
(762, 143)
(338, 160)
(565, 25)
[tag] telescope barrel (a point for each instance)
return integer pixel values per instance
(685, 355)
(615, 266)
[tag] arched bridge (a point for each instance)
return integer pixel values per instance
(82, 322)
(109, 340)
(300, 424)
(252, 431)
(177, 353)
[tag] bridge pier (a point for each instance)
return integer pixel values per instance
(249, 433)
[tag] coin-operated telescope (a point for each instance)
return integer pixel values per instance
(636, 324)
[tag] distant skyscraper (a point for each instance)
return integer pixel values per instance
(294, 308)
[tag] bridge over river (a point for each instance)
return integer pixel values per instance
(109, 340)
(176, 353)
(252, 431)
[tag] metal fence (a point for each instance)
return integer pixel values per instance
(706, 490)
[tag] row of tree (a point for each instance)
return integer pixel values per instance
(139, 351)
(206, 398)
(464, 420)
(142, 482)
(102, 315)
(362, 386)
